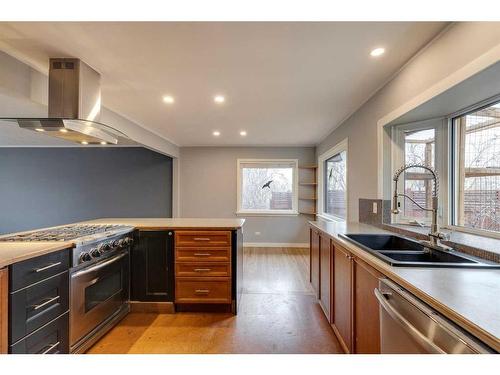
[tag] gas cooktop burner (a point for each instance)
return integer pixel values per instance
(67, 233)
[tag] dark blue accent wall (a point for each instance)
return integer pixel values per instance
(42, 187)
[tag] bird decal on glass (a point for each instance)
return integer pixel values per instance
(267, 184)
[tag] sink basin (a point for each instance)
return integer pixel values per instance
(385, 242)
(403, 252)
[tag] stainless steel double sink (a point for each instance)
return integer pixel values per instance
(404, 252)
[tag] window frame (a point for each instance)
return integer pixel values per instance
(338, 148)
(455, 169)
(294, 163)
(440, 163)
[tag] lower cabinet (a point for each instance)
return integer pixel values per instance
(39, 305)
(326, 273)
(314, 258)
(343, 296)
(152, 267)
(345, 290)
(366, 309)
(203, 273)
(4, 318)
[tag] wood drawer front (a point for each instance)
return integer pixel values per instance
(202, 269)
(50, 339)
(202, 290)
(202, 238)
(201, 254)
(37, 305)
(33, 270)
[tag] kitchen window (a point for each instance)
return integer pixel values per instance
(416, 144)
(332, 188)
(267, 186)
(476, 169)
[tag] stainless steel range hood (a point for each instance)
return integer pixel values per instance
(74, 106)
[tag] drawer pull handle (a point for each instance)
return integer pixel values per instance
(50, 348)
(47, 267)
(202, 269)
(201, 239)
(202, 254)
(202, 291)
(48, 302)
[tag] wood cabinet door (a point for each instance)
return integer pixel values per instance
(4, 320)
(342, 304)
(314, 261)
(366, 309)
(325, 275)
(152, 267)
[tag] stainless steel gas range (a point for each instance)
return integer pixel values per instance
(99, 276)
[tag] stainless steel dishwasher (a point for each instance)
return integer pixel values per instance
(407, 325)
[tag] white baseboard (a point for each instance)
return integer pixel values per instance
(274, 244)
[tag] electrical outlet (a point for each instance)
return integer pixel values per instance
(375, 207)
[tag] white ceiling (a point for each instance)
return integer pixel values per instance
(284, 83)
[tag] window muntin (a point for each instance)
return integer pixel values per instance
(267, 186)
(335, 185)
(477, 174)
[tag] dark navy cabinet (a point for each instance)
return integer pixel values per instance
(152, 267)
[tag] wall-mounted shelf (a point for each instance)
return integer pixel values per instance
(308, 193)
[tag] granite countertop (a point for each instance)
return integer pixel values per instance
(13, 252)
(469, 297)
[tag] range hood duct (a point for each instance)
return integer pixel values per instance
(74, 106)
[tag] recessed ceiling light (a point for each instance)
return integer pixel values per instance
(377, 52)
(63, 130)
(84, 143)
(243, 133)
(104, 143)
(216, 133)
(168, 99)
(40, 130)
(219, 99)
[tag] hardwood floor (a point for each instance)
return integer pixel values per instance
(278, 314)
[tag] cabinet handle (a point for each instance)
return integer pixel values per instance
(48, 302)
(50, 348)
(201, 239)
(47, 267)
(202, 291)
(202, 269)
(202, 254)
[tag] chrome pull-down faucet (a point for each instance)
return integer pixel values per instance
(434, 235)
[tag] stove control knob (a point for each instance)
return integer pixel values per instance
(85, 257)
(103, 247)
(118, 243)
(128, 241)
(96, 253)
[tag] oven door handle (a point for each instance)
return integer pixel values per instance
(99, 266)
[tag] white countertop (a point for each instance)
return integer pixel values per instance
(469, 297)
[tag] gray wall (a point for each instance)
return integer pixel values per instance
(458, 46)
(41, 187)
(208, 189)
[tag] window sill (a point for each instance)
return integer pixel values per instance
(288, 213)
(330, 218)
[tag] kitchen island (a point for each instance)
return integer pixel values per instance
(468, 297)
(115, 266)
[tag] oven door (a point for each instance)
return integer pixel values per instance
(98, 293)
